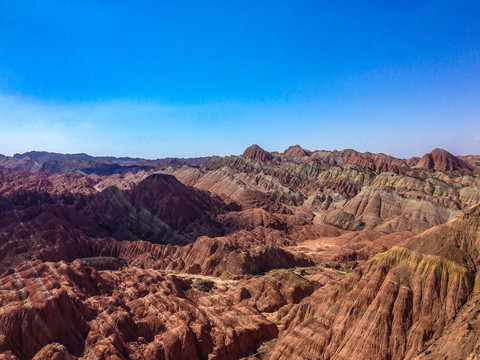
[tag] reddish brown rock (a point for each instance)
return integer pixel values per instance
(62, 311)
(389, 308)
(151, 285)
(397, 305)
(159, 209)
(376, 162)
(442, 160)
(53, 351)
(378, 209)
(257, 153)
(472, 160)
(325, 157)
(296, 151)
(350, 248)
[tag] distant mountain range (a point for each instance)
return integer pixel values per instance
(54, 163)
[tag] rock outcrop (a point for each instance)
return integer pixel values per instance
(442, 160)
(397, 305)
(158, 209)
(257, 153)
(55, 311)
(296, 151)
(375, 162)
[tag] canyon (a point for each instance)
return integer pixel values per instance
(266, 255)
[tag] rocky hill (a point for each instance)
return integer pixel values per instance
(266, 255)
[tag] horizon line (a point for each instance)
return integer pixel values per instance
(215, 155)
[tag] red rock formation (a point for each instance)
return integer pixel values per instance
(378, 209)
(442, 160)
(375, 162)
(325, 157)
(397, 305)
(472, 160)
(257, 153)
(56, 310)
(350, 248)
(184, 295)
(296, 151)
(159, 209)
(15, 181)
(59, 310)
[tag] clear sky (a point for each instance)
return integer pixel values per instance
(193, 78)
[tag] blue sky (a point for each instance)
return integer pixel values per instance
(193, 78)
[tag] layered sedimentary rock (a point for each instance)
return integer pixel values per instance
(158, 209)
(257, 153)
(442, 160)
(304, 255)
(397, 305)
(51, 311)
(376, 208)
(375, 162)
(296, 151)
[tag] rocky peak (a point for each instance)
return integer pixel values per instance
(441, 160)
(296, 151)
(257, 153)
